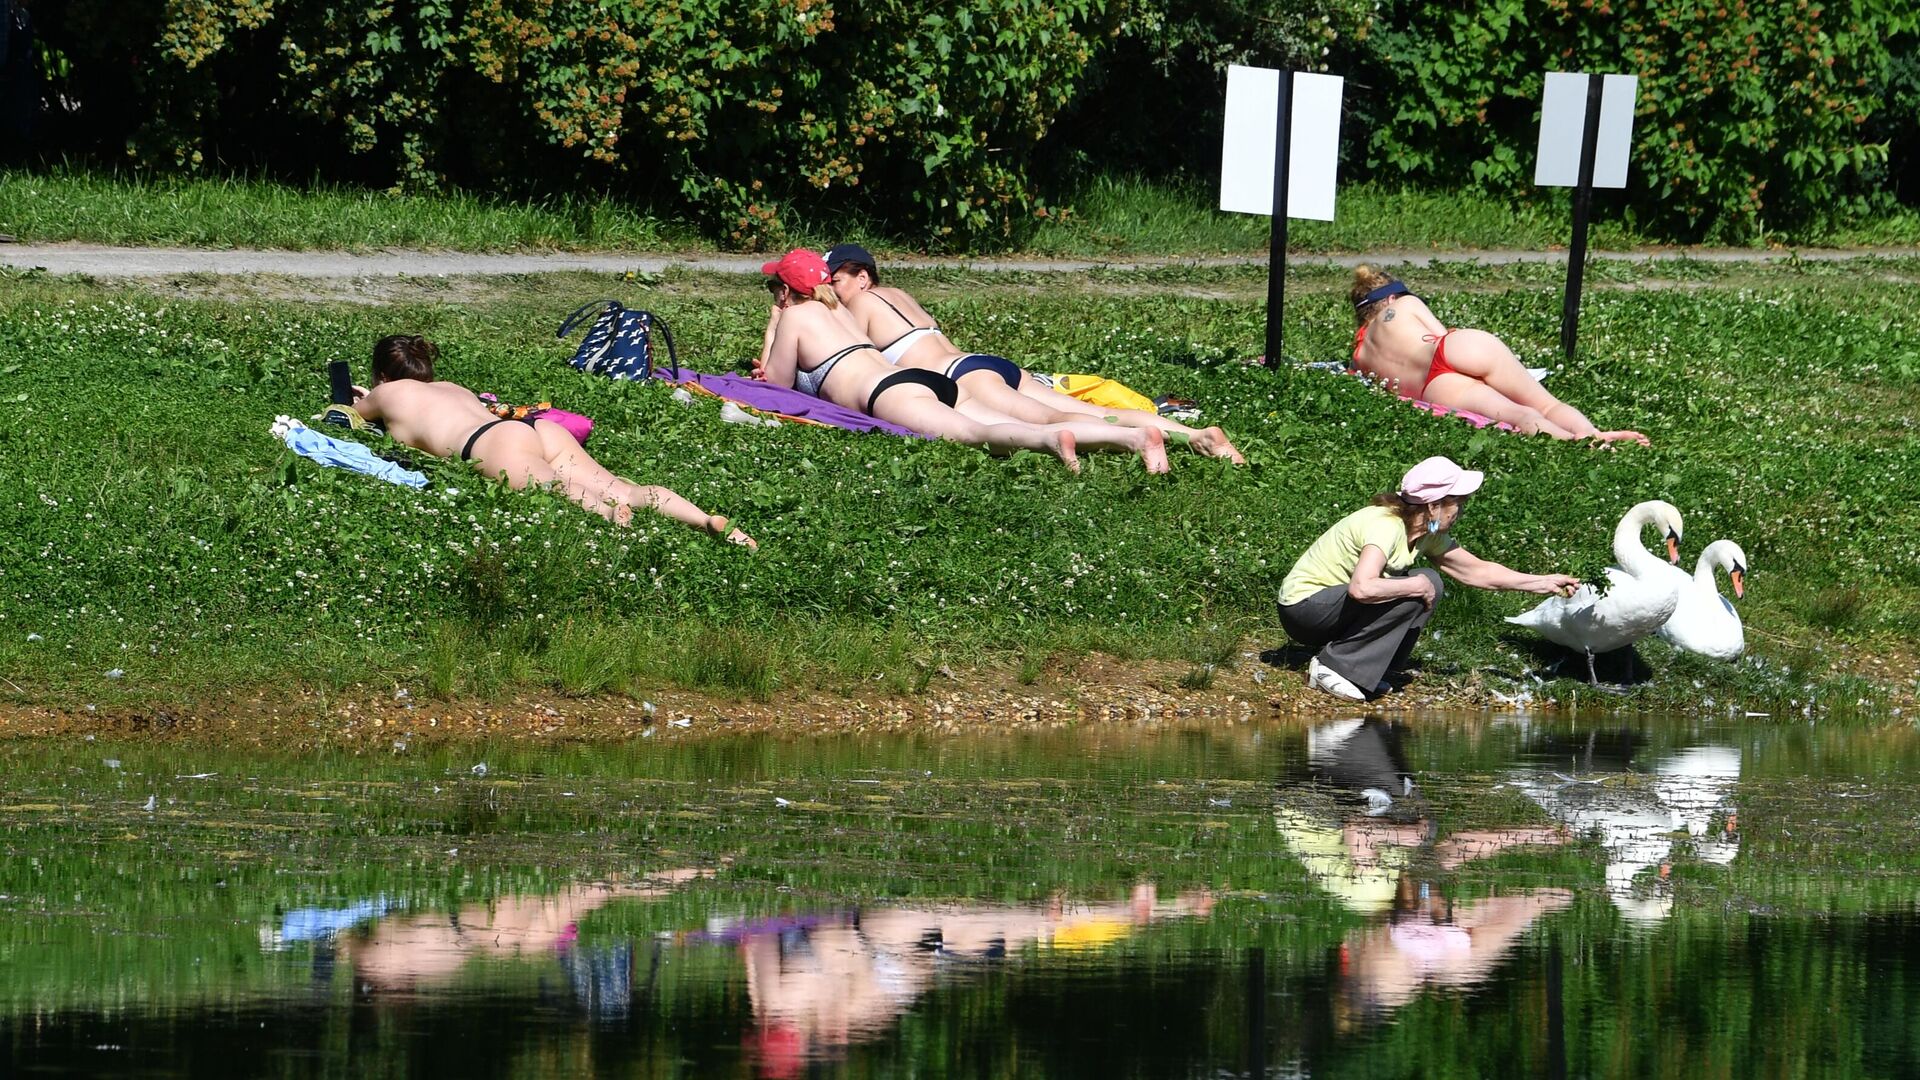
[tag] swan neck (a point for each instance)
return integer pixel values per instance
(1628, 550)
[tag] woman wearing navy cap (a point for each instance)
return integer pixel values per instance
(1401, 343)
(991, 387)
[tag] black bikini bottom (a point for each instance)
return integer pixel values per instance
(942, 387)
(466, 452)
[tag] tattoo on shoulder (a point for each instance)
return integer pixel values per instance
(1388, 317)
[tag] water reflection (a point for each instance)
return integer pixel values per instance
(1644, 820)
(1374, 847)
(405, 952)
(1437, 896)
(820, 983)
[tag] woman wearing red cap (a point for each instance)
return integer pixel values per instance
(1352, 595)
(814, 345)
(989, 385)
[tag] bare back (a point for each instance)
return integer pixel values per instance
(1399, 340)
(436, 417)
(887, 314)
(809, 334)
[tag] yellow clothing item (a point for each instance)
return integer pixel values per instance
(1105, 393)
(1089, 934)
(1331, 559)
(1364, 888)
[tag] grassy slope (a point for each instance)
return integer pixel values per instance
(1110, 217)
(148, 523)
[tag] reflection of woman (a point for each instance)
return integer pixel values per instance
(1375, 862)
(1401, 343)
(401, 952)
(818, 985)
(1352, 595)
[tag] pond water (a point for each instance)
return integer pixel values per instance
(1434, 896)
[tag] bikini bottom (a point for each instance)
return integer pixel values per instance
(466, 452)
(1008, 371)
(942, 387)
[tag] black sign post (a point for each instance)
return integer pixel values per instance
(1277, 231)
(1582, 207)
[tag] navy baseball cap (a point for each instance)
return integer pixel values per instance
(842, 254)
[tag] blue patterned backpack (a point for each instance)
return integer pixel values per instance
(619, 343)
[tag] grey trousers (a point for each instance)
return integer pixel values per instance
(1360, 641)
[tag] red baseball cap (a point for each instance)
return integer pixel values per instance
(802, 270)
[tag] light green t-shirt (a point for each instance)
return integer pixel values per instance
(1331, 559)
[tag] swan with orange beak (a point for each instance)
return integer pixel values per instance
(1705, 622)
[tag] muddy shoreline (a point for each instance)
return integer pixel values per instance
(1109, 691)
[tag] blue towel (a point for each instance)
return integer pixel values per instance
(315, 923)
(341, 454)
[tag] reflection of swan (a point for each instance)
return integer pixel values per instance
(1639, 600)
(1705, 622)
(1638, 825)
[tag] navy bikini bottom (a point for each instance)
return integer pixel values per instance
(1008, 371)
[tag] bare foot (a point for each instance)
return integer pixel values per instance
(1066, 447)
(720, 528)
(1213, 443)
(1153, 450)
(1610, 437)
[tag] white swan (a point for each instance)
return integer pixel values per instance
(1705, 622)
(1640, 599)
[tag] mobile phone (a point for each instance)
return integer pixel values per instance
(340, 378)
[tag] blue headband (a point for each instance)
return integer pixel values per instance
(1391, 288)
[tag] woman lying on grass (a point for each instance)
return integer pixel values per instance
(445, 419)
(814, 345)
(1401, 343)
(987, 382)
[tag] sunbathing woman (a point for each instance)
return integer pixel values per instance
(446, 419)
(986, 382)
(814, 345)
(1401, 343)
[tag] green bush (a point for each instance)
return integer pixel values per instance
(923, 115)
(1751, 115)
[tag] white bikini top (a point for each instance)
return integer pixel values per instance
(898, 347)
(905, 342)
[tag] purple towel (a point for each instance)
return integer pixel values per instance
(783, 400)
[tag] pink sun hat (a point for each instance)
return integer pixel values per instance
(1435, 479)
(800, 269)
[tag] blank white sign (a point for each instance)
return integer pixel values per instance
(1313, 147)
(1563, 120)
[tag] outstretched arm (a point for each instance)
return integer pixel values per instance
(1469, 569)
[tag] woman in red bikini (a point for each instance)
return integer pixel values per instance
(1402, 344)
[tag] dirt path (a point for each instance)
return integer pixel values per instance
(103, 261)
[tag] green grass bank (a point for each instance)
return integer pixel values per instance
(1113, 216)
(156, 543)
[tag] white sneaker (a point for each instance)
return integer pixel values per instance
(1328, 681)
